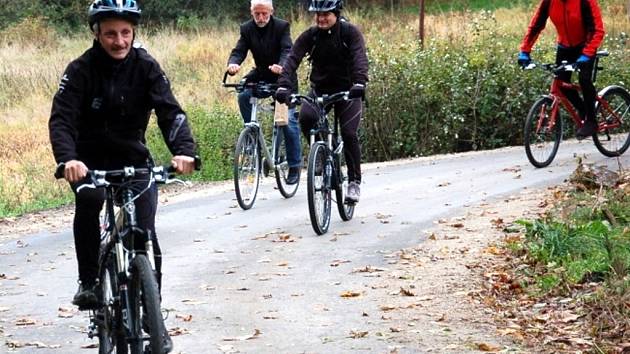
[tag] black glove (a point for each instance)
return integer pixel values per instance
(283, 95)
(357, 91)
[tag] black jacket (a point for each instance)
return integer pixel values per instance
(269, 45)
(338, 57)
(101, 111)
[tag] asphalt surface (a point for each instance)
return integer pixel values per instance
(261, 281)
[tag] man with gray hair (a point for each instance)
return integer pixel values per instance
(269, 40)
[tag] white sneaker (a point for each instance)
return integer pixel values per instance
(353, 193)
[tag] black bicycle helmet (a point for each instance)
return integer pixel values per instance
(125, 9)
(325, 5)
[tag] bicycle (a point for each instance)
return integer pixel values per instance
(251, 146)
(327, 170)
(127, 288)
(543, 126)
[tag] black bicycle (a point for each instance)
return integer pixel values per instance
(327, 170)
(129, 313)
(251, 147)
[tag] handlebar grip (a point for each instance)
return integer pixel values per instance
(59, 171)
(197, 163)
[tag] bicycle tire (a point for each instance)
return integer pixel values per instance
(541, 143)
(318, 188)
(110, 334)
(613, 142)
(282, 166)
(144, 302)
(246, 168)
(346, 211)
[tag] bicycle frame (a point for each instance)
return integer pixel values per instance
(270, 155)
(119, 239)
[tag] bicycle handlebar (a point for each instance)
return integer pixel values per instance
(243, 84)
(323, 100)
(161, 174)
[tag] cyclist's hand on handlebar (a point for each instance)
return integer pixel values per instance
(357, 91)
(276, 69)
(524, 59)
(183, 164)
(583, 60)
(74, 171)
(233, 69)
(283, 95)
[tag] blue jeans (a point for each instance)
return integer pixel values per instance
(291, 132)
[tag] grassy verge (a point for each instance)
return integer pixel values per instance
(569, 280)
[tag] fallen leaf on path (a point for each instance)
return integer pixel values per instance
(387, 307)
(488, 347)
(358, 334)
(25, 322)
(368, 269)
(177, 331)
(350, 294)
(66, 312)
(185, 318)
(406, 292)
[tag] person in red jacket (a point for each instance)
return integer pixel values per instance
(580, 32)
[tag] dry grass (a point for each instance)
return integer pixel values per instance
(32, 62)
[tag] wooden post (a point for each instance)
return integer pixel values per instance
(421, 25)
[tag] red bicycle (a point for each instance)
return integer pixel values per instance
(543, 126)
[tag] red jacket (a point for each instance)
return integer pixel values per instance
(578, 22)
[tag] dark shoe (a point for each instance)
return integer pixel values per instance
(353, 194)
(588, 129)
(294, 175)
(85, 297)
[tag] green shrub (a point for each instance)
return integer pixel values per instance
(215, 130)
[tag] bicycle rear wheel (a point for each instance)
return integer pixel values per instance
(613, 136)
(108, 318)
(282, 165)
(541, 138)
(246, 168)
(144, 303)
(346, 211)
(318, 188)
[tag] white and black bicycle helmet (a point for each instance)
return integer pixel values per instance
(325, 5)
(125, 9)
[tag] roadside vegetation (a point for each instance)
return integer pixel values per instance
(566, 284)
(460, 91)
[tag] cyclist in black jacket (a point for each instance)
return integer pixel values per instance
(98, 121)
(269, 40)
(337, 53)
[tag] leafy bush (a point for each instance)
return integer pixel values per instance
(215, 130)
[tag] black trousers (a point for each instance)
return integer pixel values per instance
(585, 107)
(349, 115)
(89, 203)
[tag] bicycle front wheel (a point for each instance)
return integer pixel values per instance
(318, 188)
(109, 317)
(144, 303)
(346, 211)
(246, 168)
(613, 133)
(542, 136)
(282, 165)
